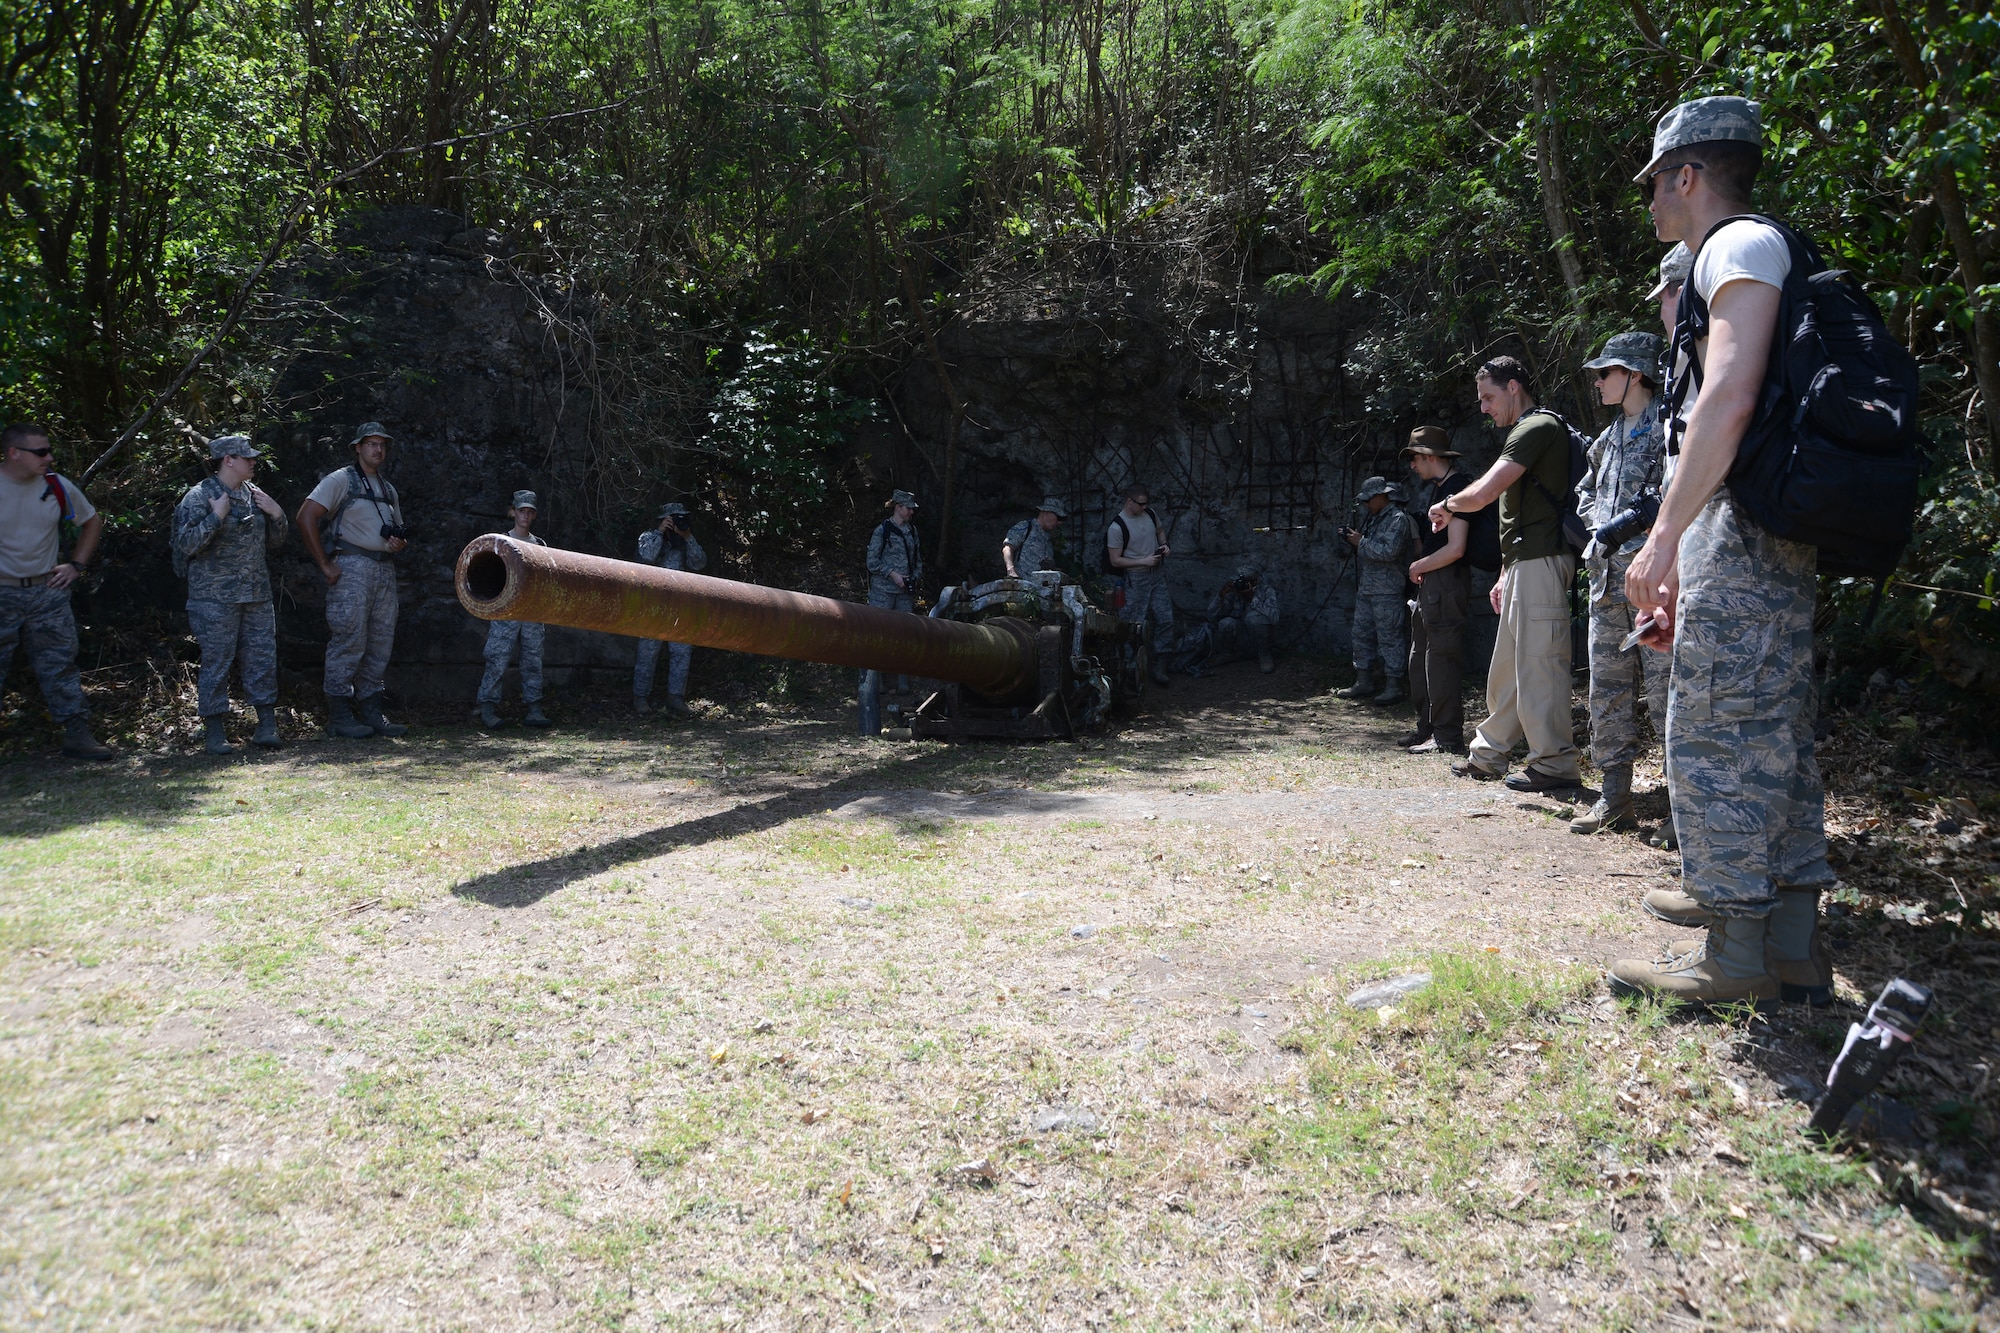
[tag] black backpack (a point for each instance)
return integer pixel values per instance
(1482, 539)
(1832, 456)
(1575, 532)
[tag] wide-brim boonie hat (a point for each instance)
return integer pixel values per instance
(1373, 487)
(367, 428)
(1675, 266)
(1638, 352)
(901, 498)
(1052, 504)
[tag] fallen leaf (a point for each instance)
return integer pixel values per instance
(1725, 1151)
(846, 1195)
(861, 1278)
(763, 1025)
(979, 1169)
(936, 1244)
(719, 1054)
(1736, 1210)
(1411, 863)
(813, 1115)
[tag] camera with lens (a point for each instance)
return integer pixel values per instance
(395, 532)
(1629, 523)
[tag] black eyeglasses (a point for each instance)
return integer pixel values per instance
(1604, 372)
(1647, 186)
(42, 452)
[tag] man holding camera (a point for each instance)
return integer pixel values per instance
(36, 506)
(1618, 498)
(223, 527)
(1241, 616)
(504, 636)
(670, 544)
(364, 521)
(1385, 542)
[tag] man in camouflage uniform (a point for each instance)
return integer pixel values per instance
(35, 504)
(670, 544)
(1735, 604)
(895, 557)
(223, 527)
(1243, 612)
(503, 636)
(1136, 548)
(1625, 466)
(1384, 544)
(1030, 545)
(364, 519)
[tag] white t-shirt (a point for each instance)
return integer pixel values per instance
(30, 517)
(375, 503)
(1741, 250)
(1141, 540)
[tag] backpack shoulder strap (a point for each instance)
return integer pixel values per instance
(53, 486)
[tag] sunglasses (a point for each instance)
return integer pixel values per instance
(1605, 372)
(1647, 186)
(42, 452)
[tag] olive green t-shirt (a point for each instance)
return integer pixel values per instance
(1530, 527)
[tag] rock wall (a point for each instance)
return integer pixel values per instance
(417, 321)
(1251, 423)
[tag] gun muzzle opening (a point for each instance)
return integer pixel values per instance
(486, 577)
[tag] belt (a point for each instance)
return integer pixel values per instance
(35, 582)
(340, 551)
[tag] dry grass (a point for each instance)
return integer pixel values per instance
(751, 1024)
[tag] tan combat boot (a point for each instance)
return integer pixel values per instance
(1613, 812)
(1728, 967)
(1675, 907)
(1807, 980)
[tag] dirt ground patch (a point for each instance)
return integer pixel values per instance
(751, 1023)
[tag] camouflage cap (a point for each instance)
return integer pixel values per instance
(900, 498)
(1637, 352)
(1248, 572)
(1430, 440)
(1675, 266)
(1052, 504)
(232, 446)
(1373, 487)
(525, 500)
(673, 509)
(1705, 120)
(367, 428)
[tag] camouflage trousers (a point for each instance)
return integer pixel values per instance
(1747, 799)
(232, 634)
(679, 656)
(1148, 598)
(41, 616)
(501, 637)
(1381, 633)
(1618, 680)
(888, 597)
(361, 620)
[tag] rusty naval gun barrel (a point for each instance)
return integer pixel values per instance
(499, 578)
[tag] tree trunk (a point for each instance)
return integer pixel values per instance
(1555, 192)
(1951, 208)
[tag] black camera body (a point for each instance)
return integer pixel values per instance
(1630, 522)
(395, 532)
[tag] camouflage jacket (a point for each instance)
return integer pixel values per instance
(1261, 607)
(1033, 548)
(894, 550)
(685, 554)
(1388, 545)
(1623, 465)
(225, 556)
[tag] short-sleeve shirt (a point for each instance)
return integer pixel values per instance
(1142, 535)
(375, 503)
(1449, 484)
(30, 523)
(1530, 527)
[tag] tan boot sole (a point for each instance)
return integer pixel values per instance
(1704, 985)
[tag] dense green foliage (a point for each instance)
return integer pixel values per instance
(728, 176)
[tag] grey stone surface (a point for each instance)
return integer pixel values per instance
(1051, 1119)
(1082, 932)
(1382, 994)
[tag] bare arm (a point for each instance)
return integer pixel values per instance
(87, 534)
(1452, 551)
(310, 513)
(1743, 315)
(1479, 494)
